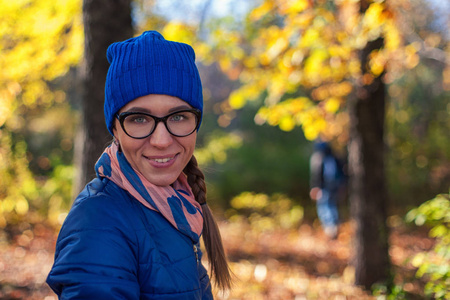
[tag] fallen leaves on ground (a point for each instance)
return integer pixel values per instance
(279, 264)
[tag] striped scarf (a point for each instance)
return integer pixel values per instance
(175, 202)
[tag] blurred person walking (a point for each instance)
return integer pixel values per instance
(326, 181)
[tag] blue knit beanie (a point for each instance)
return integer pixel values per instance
(149, 64)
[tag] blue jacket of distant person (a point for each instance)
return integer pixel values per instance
(113, 247)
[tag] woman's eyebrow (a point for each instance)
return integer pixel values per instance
(180, 107)
(138, 109)
(145, 110)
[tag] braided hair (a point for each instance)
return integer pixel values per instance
(219, 268)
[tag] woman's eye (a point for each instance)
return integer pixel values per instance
(138, 119)
(177, 118)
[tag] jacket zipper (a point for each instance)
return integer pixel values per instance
(196, 253)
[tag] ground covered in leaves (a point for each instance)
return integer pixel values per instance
(277, 264)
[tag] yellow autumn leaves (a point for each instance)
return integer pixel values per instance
(39, 41)
(310, 50)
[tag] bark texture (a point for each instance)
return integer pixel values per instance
(105, 22)
(368, 193)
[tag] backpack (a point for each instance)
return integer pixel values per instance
(333, 175)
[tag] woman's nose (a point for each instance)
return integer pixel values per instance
(161, 137)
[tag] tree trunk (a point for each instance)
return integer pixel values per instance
(105, 22)
(368, 194)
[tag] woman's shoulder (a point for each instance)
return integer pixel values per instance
(100, 189)
(104, 206)
(101, 205)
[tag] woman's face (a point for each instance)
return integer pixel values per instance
(160, 157)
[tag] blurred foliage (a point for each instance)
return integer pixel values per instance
(387, 292)
(262, 159)
(434, 266)
(297, 62)
(302, 57)
(216, 148)
(39, 42)
(417, 123)
(302, 54)
(265, 213)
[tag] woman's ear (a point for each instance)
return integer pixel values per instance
(116, 142)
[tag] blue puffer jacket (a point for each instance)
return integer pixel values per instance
(112, 247)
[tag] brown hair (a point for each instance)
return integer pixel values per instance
(219, 268)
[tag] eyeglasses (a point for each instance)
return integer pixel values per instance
(139, 125)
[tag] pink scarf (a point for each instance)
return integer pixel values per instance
(176, 202)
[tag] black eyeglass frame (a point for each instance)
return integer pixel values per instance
(121, 117)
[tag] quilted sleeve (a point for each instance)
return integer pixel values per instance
(95, 254)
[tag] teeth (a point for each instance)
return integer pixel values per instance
(162, 160)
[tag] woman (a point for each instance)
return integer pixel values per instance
(133, 232)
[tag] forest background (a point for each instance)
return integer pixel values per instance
(266, 101)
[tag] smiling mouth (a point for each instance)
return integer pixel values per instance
(162, 160)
